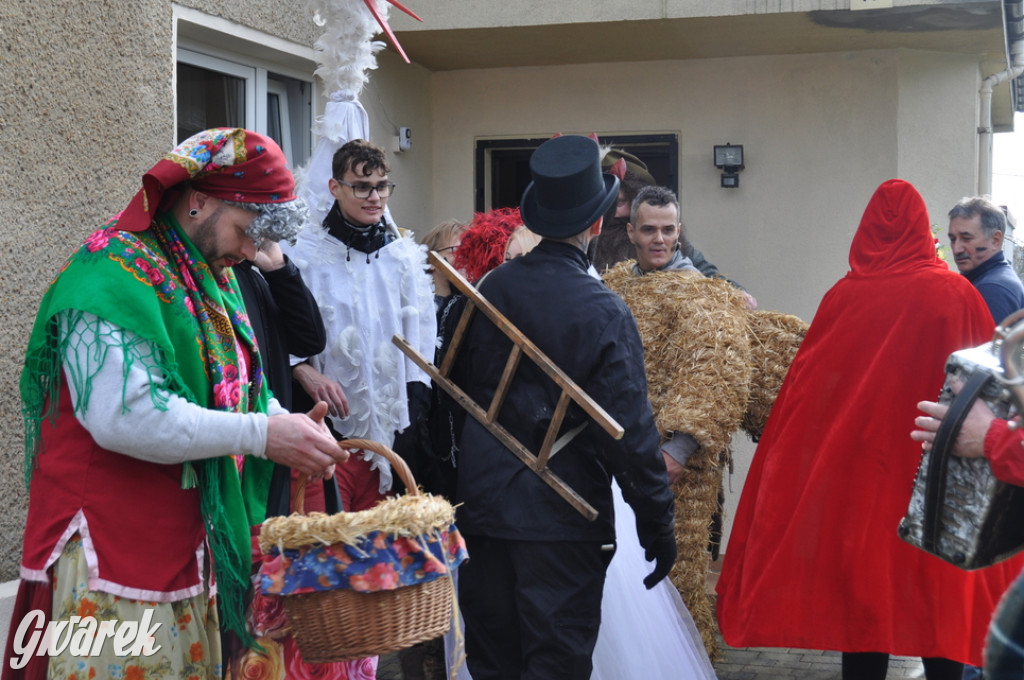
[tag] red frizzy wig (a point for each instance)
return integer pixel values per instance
(483, 244)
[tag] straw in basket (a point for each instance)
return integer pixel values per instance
(359, 584)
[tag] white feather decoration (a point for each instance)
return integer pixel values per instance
(346, 49)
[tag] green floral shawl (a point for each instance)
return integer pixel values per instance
(155, 284)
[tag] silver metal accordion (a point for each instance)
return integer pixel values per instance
(959, 511)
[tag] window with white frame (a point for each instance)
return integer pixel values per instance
(232, 76)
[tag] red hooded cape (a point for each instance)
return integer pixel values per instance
(814, 561)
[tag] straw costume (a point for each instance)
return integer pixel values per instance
(814, 560)
(138, 324)
(712, 368)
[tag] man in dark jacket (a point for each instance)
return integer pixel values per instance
(976, 230)
(286, 319)
(531, 594)
(283, 313)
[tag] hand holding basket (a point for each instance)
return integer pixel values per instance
(359, 584)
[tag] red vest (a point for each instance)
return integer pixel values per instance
(143, 533)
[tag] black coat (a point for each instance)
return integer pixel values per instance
(285, 318)
(588, 332)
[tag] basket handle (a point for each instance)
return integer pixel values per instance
(397, 464)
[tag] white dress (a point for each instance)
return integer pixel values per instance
(645, 634)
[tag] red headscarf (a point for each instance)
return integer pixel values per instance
(231, 164)
(814, 560)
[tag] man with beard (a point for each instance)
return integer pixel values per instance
(150, 432)
(976, 229)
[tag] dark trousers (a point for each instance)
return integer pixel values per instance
(532, 608)
(873, 666)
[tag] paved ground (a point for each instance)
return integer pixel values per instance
(752, 664)
(772, 664)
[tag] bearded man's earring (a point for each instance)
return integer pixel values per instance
(193, 212)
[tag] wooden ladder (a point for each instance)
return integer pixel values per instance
(521, 346)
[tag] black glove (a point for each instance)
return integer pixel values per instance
(661, 548)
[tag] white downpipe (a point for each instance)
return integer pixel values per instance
(985, 129)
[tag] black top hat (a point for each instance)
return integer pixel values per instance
(568, 192)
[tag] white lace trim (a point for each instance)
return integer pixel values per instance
(79, 525)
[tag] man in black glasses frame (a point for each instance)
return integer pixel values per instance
(370, 282)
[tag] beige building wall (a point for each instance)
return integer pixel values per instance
(937, 129)
(399, 95)
(820, 132)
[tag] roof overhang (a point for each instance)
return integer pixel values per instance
(463, 40)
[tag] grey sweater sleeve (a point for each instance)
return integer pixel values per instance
(120, 414)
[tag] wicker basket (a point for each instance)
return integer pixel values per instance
(343, 624)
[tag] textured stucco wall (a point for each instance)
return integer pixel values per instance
(86, 91)
(398, 95)
(86, 106)
(284, 19)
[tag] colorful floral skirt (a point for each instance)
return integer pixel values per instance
(185, 639)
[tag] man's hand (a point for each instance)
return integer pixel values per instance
(302, 441)
(970, 441)
(663, 552)
(675, 470)
(659, 544)
(321, 388)
(269, 257)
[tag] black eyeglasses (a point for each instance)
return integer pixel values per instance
(363, 190)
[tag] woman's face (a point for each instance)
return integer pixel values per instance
(447, 249)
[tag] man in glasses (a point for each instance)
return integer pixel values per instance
(370, 282)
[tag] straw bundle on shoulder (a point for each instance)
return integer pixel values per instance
(696, 350)
(697, 355)
(712, 367)
(774, 339)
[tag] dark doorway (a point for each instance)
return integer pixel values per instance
(503, 165)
